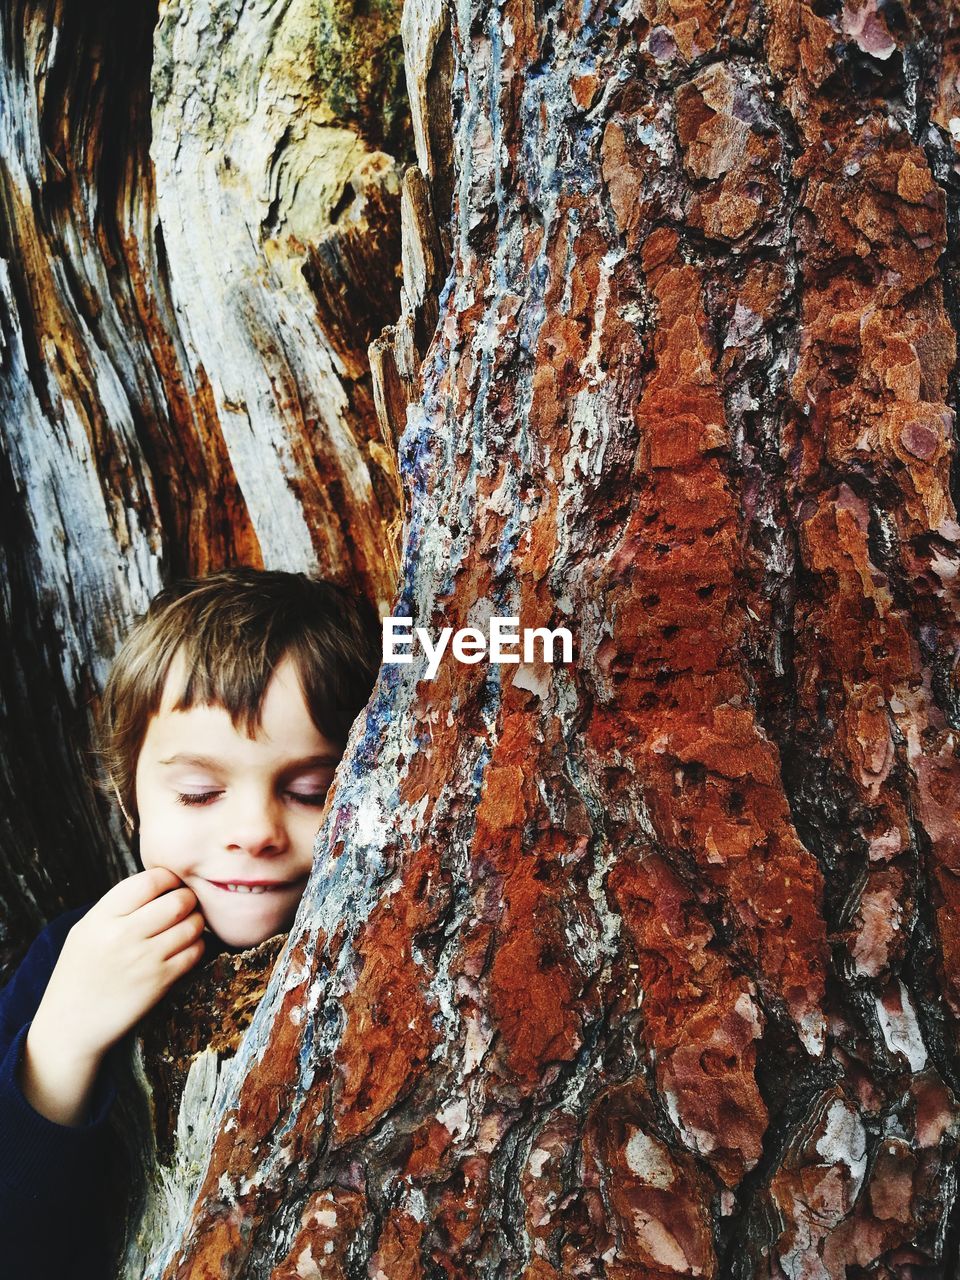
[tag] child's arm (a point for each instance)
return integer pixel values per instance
(116, 963)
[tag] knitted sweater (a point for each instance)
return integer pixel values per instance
(53, 1219)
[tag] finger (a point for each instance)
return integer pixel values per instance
(137, 890)
(156, 916)
(181, 963)
(180, 936)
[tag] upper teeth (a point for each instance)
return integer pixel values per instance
(247, 888)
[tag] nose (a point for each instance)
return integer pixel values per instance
(255, 825)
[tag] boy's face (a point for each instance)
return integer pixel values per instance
(235, 817)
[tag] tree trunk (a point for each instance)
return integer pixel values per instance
(647, 965)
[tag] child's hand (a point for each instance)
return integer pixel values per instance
(126, 952)
(116, 963)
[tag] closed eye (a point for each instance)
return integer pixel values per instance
(312, 798)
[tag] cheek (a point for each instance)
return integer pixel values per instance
(167, 838)
(306, 828)
(304, 835)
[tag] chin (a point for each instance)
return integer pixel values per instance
(244, 940)
(245, 933)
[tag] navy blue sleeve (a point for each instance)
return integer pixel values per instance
(47, 1171)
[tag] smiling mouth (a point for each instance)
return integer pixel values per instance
(239, 886)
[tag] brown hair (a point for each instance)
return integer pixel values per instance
(232, 629)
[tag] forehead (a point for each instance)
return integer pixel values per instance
(286, 727)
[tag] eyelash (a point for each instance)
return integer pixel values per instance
(311, 799)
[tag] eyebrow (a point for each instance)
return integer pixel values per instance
(208, 762)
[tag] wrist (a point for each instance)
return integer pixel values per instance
(56, 1077)
(72, 1045)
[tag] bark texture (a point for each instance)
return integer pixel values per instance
(646, 966)
(642, 967)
